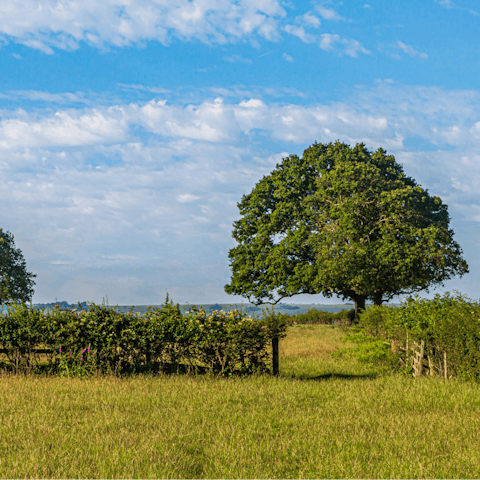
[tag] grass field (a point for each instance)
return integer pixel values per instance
(322, 418)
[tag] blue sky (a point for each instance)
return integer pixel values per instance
(130, 130)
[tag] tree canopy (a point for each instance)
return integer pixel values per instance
(16, 284)
(341, 221)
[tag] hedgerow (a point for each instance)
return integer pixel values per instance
(314, 316)
(449, 325)
(102, 339)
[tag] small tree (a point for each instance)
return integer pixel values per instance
(341, 221)
(16, 284)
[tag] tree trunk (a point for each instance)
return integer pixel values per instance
(359, 304)
(377, 299)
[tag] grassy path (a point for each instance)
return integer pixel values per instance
(321, 419)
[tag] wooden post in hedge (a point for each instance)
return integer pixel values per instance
(418, 359)
(407, 353)
(422, 353)
(445, 375)
(275, 355)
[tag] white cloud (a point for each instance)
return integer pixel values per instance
(410, 50)
(329, 13)
(144, 88)
(351, 47)
(210, 121)
(64, 128)
(310, 20)
(300, 33)
(187, 198)
(287, 57)
(48, 24)
(327, 41)
(237, 59)
(452, 5)
(34, 95)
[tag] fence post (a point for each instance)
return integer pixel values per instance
(445, 365)
(430, 366)
(407, 353)
(422, 352)
(418, 359)
(275, 355)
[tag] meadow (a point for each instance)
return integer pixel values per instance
(323, 417)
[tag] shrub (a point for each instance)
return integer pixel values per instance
(314, 316)
(161, 340)
(20, 333)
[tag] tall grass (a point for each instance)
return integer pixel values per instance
(322, 418)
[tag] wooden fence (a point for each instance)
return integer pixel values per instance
(421, 359)
(275, 354)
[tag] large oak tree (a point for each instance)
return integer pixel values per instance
(341, 221)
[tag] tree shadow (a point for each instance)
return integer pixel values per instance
(340, 376)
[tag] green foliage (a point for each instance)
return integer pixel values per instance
(105, 340)
(314, 316)
(16, 284)
(448, 323)
(20, 332)
(83, 363)
(367, 349)
(376, 319)
(341, 221)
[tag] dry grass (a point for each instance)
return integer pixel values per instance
(317, 341)
(329, 420)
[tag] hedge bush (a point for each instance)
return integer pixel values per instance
(102, 339)
(314, 316)
(448, 323)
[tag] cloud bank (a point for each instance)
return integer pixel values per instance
(47, 25)
(139, 195)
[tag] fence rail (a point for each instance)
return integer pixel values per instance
(35, 350)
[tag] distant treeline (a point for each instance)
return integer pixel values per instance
(255, 310)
